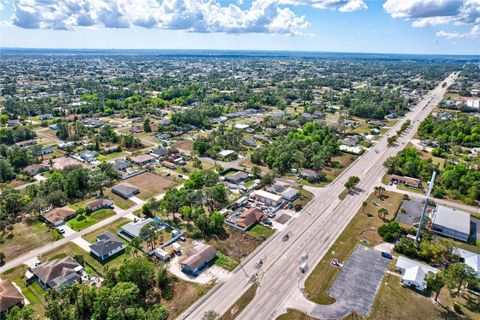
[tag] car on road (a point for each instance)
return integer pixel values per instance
(286, 237)
(303, 267)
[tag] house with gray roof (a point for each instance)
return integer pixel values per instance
(57, 273)
(125, 190)
(451, 223)
(106, 246)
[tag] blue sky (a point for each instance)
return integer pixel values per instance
(392, 26)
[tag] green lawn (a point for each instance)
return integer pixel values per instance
(260, 231)
(112, 228)
(106, 157)
(119, 201)
(304, 198)
(225, 261)
(84, 221)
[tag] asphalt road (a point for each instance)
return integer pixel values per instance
(312, 233)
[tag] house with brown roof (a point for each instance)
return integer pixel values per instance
(10, 296)
(409, 181)
(56, 273)
(142, 159)
(249, 217)
(197, 262)
(99, 203)
(59, 216)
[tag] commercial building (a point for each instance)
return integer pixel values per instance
(413, 273)
(451, 223)
(197, 262)
(267, 198)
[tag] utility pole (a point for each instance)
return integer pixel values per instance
(420, 225)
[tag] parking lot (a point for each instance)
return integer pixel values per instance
(356, 285)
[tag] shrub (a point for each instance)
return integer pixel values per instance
(390, 232)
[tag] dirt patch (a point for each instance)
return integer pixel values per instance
(283, 218)
(63, 162)
(184, 145)
(234, 243)
(152, 182)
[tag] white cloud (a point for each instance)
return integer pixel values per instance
(263, 16)
(341, 5)
(425, 13)
(2, 7)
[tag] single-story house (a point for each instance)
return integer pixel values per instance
(88, 155)
(413, 272)
(267, 197)
(10, 296)
(111, 149)
(241, 126)
(132, 229)
(142, 159)
(161, 254)
(451, 223)
(99, 203)
(249, 217)
(160, 153)
(59, 216)
(56, 273)
(125, 190)
(45, 116)
(35, 169)
(13, 123)
(121, 165)
(169, 165)
(290, 194)
(93, 123)
(26, 143)
(136, 129)
(308, 173)
(106, 246)
(471, 259)
(249, 142)
(408, 181)
(197, 262)
(43, 152)
(225, 153)
(237, 177)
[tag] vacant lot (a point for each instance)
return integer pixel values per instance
(84, 221)
(150, 184)
(234, 243)
(362, 227)
(344, 159)
(185, 294)
(186, 145)
(25, 237)
(260, 232)
(63, 162)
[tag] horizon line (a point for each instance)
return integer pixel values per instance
(240, 50)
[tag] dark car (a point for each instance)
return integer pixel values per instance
(387, 255)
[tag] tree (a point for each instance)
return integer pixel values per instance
(146, 125)
(157, 313)
(20, 313)
(391, 140)
(148, 233)
(267, 179)
(364, 205)
(256, 171)
(390, 231)
(435, 281)
(457, 274)
(139, 271)
(351, 182)
(406, 197)
(2, 258)
(382, 213)
(146, 210)
(210, 315)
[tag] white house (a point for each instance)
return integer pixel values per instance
(413, 272)
(471, 259)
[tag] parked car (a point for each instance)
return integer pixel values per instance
(387, 255)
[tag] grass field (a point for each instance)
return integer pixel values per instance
(185, 294)
(240, 304)
(362, 227)
(112, 228)
(261, 232)
(26, 237)
(225, 261)
(84, 221)
(106, 157)
(234, 243)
